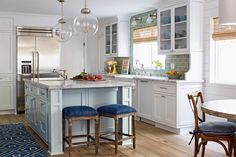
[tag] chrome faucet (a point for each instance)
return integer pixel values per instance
(63, 74)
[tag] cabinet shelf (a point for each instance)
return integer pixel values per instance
(165, 39)
(181, 22)
(165, 25)
(181, 38)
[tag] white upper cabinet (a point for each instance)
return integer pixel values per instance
(117, 37)
(6, 24)
(173, 30)
(6, 53)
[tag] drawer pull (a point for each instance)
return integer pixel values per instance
(163, 88)
(163, 96)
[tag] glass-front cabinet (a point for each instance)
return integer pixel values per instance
(165, 30)
(173, 30)
(108, 39)
(111, 39)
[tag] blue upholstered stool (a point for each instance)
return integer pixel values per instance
(117, 111)
(75, 113)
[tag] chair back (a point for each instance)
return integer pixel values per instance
(196, 101)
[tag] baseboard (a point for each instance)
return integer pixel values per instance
(7, 112)
(179, 131)
(145, 120)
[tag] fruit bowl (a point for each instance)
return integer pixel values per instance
(173, 74)
(88, 77)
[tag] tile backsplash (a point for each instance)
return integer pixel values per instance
(181, 62)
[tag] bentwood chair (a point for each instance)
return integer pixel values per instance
(215, 131)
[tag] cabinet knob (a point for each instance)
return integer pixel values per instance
(163, 96)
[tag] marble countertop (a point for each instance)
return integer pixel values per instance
(153, 78)
(74, 84)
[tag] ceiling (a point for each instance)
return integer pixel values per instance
(101, 8)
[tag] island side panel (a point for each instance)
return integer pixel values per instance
(124, 96)
(55, 122)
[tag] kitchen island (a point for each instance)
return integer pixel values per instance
(45, 100)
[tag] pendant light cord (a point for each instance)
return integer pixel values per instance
(85, 3)
(62, 13)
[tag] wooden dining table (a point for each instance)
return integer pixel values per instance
(221, 108)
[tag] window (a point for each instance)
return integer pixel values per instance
(225, 53)
(145, 50)
(225, 61)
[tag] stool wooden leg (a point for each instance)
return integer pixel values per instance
(70, 135)
(116, 134)
(88, 131)
(96, 135)
(133, 131)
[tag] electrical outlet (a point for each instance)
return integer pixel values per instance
(172, 65)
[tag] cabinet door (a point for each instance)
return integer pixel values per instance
(6, 53)
(108, 39)
(170, 110)
(6, 96)
(145, 107)
(165, 109)
(159, 108)
(6, 24)
(32, 111)
(114, 39)
(165, 31)
(27, 106)
(180, 28)
(43, 119)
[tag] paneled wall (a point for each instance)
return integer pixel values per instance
(212, 91)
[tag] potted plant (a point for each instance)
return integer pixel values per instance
(158, 65)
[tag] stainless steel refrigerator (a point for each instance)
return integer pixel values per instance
(38, 53)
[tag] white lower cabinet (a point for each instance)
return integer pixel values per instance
(144, 97)
(37, 110)
(164, 109)
(6, 96)
(171, 107)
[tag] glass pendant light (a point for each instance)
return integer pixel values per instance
(62, 31)
(86, 22)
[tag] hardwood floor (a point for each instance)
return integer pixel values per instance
(151, 142)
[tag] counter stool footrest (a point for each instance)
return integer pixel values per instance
(85, 142)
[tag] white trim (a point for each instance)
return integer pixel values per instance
(4, 14)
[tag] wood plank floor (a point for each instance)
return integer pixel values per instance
(151, 142)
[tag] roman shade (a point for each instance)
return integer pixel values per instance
(223, 32)
(145, 34)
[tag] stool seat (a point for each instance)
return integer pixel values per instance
(116, 109)
(79, 111)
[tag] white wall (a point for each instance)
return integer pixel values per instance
(212, 91)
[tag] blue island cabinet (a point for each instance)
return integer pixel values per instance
(46, 99)
(37, 109)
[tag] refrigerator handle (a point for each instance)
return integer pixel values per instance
(37, 54)
(33, 60)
